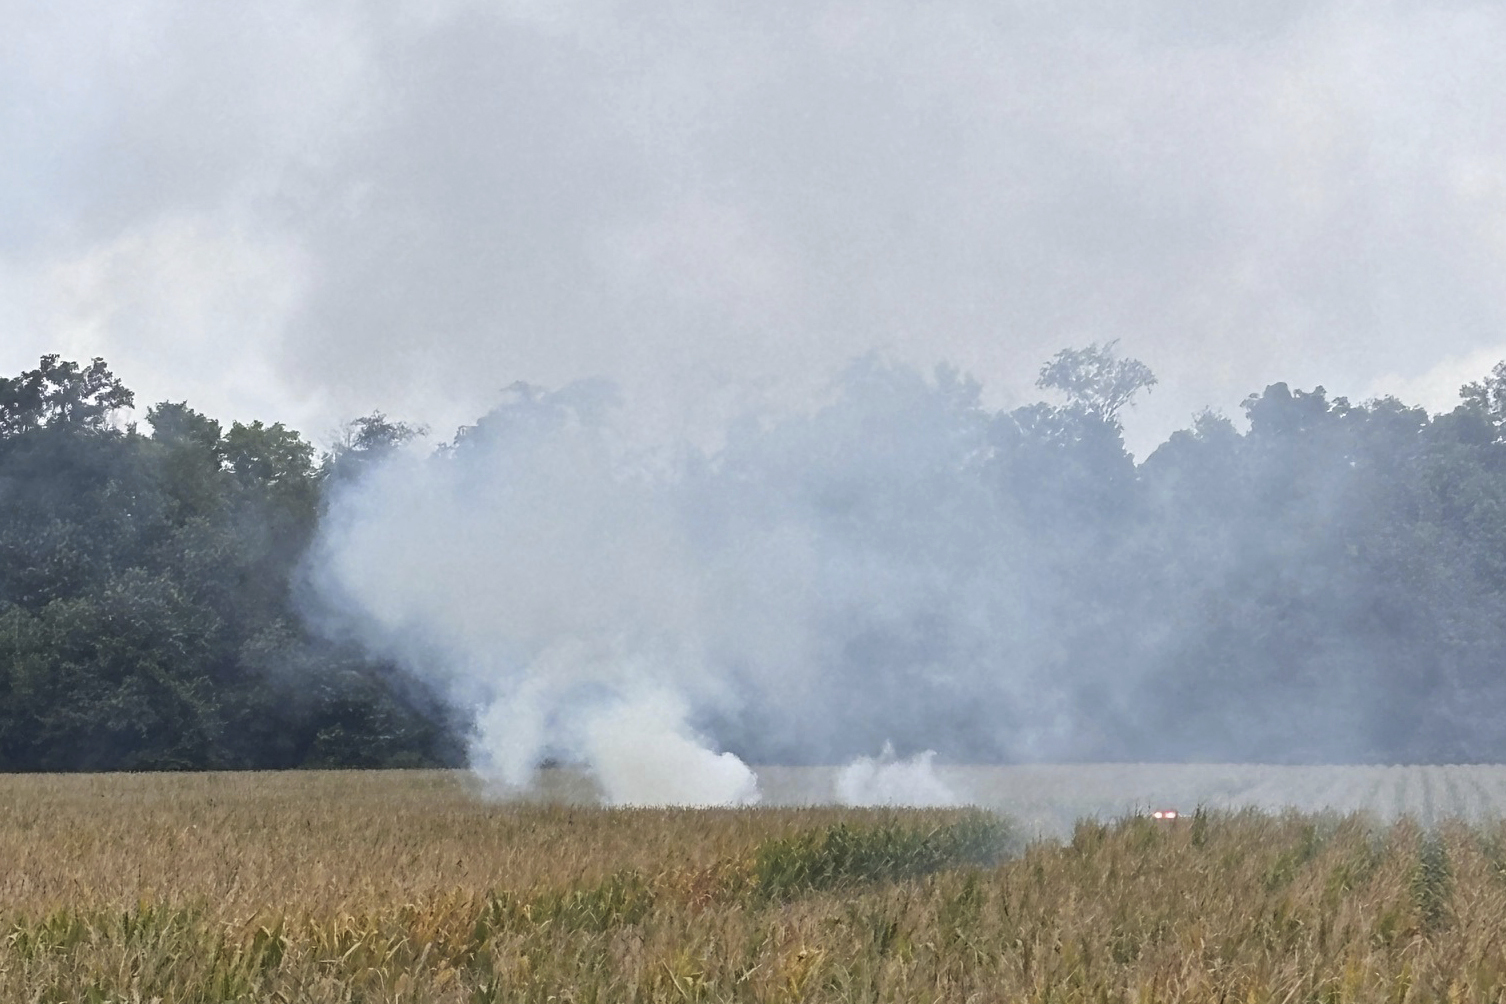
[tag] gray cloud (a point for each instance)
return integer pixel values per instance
(305, 212)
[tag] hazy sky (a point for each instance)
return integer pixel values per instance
(304, 211)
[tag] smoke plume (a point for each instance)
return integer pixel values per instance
(886, 780)
(901, 570)
(812, 590)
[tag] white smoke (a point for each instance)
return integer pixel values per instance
(888, 780)
(813, 588)
(643, 754)
(538, 579)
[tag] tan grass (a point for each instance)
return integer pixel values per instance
(407, 887)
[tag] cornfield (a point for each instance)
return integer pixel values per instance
(408, 886)
(1048, 799)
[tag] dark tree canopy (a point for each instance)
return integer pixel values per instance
(61, 393)
(1328, 585)
(146, 596)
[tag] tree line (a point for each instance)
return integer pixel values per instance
(1325, 583)
(148, 594)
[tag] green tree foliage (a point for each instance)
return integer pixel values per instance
(1096, 380)
(146, 596)
(1324, 582)
(1484, 403)
(366, 441)
(1329, 585)
(61, 394)
(1335, 580)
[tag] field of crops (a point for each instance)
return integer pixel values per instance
(1048, 798)
(407, 886)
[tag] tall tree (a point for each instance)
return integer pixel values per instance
(65, 393)
(1096, 380)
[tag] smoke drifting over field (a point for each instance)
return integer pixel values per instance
(814, 589)
(300, 212)
(902, 570)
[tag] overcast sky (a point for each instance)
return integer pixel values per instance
(305, 211)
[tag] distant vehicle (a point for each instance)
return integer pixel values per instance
(1164, 814)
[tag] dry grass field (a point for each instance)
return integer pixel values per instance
(408, 887)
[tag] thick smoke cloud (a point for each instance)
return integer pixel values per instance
(902, 572)
(304, 212)
(818, 589)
